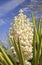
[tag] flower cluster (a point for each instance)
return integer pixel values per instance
(23, 28)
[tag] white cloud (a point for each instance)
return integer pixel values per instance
(26, 9)
(4, 9)
(2, 22)
(36, 0)
(9, 6)
(33, 0)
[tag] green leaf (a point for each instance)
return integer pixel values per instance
(6, 56)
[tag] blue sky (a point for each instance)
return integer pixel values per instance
(10, 8)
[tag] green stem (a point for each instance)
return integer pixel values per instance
(20, 53)
(40, 62)
(34, 48)
(38, 52)
(6, 56)
(36, 34)
(1, 63)
(3, 59)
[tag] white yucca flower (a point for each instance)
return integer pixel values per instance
(23, 28)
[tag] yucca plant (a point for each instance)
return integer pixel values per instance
(26, 42)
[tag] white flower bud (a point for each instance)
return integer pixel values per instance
(24, 29)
